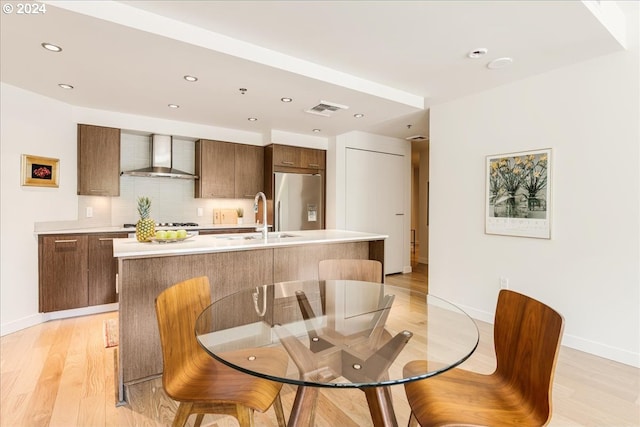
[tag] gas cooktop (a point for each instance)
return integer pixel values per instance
(167, 224)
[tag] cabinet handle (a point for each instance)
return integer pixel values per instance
(286, 162)
(97, 191)
(66, 241)
(314, 165)
(105, 239)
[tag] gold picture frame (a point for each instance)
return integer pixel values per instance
(40, 171)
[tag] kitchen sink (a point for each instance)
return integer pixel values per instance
(256, 236)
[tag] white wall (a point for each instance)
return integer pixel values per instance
(39, 126)
(590, 269)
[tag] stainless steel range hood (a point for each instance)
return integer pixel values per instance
(161, 161)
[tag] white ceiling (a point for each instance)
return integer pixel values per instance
(389, 60)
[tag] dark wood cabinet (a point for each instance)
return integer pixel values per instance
(98, 161)
(215, 168)
(103, 268)
(312, 159)
(297, 157)
(63, 272)
(228, 170)
(76, 270)
(287, 156)
(249, 171)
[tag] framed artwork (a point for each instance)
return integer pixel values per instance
(39, 171)
(518, 194)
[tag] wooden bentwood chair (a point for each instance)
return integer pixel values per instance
(527, 338)
(201, 384)
(350, 269)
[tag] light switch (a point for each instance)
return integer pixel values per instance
(200, 211)
(89, 212)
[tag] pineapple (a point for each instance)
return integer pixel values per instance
(145, 227)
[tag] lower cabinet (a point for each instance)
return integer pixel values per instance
(76, 270)
(103, 268)
(63, 272)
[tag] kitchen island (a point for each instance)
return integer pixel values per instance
(231, 262)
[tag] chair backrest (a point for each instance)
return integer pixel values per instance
(177, 309)
(350, 269)
(527, 336)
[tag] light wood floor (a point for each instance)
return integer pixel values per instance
(60, 374)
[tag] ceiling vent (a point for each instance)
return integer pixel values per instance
(417, 138)
(326, 108)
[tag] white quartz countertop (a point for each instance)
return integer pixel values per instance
(120, 229)
(131, 248)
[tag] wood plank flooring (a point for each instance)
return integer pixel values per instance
(59, 374)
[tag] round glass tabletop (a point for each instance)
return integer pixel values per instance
(337, 333)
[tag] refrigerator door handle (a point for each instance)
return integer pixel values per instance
(278, 216)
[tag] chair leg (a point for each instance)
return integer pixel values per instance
(182, 414)
(198, 420)
(244, 416)
(277, 407)
(413, 421)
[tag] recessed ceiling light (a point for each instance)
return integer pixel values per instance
(358, 115)
(317, 130)
(499, 63)
(477, 53)
(173, 106)
(252, 119)
(286, 99)
(65, 86)
(51, 47)
(191, 78)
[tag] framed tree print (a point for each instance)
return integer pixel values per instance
(518, 194)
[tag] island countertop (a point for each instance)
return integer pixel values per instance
(131, 248)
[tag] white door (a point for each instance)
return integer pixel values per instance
(375, 200)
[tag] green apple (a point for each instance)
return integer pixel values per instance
(161, 234)
(172, 234)
(181, 234)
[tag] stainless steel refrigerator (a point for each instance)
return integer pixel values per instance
(298, 202)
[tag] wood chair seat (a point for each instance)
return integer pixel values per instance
(196, 380)
(527, 337)
(470, 399)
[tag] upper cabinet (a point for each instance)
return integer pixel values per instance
(249, 173)
(228, 170)
(98, 161)
(297, 157)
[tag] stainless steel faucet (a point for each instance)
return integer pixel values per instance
(265, 227)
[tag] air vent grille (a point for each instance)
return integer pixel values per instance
(416, 138)
(326, 108)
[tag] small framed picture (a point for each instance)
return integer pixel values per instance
(39, 171)
(518, 194)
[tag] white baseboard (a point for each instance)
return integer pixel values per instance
(602, 350)
(24, 323)
(36, 319)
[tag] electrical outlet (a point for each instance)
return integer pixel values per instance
(200, 212)
(89, 212)
(504, 282)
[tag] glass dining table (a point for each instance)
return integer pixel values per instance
(338, 334)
